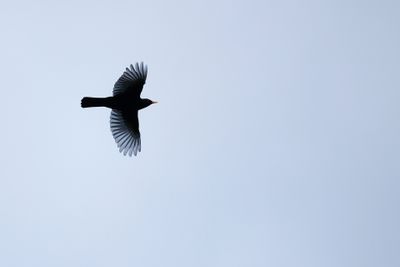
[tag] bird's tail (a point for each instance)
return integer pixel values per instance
(89, 102)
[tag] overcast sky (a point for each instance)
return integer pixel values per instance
(276, 140)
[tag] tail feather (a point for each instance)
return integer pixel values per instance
(88, 102)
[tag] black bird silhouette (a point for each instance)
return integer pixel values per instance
(125, 104)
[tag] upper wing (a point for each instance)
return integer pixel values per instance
(132, 80)
(125, 130)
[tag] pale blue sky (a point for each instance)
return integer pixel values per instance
(276, 141)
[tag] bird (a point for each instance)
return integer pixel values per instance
(125, 105)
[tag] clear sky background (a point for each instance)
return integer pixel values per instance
(276, 140)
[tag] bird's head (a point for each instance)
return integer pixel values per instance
(146, 102)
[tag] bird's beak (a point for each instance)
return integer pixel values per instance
(154, 102)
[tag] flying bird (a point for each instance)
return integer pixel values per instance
(125, 104)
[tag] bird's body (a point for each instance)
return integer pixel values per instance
(125, 104)
(120, 102)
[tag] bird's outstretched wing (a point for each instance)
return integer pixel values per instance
(132, 80)
(125, 130)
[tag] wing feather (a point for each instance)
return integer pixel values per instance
(132, 80)
(125, 130)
